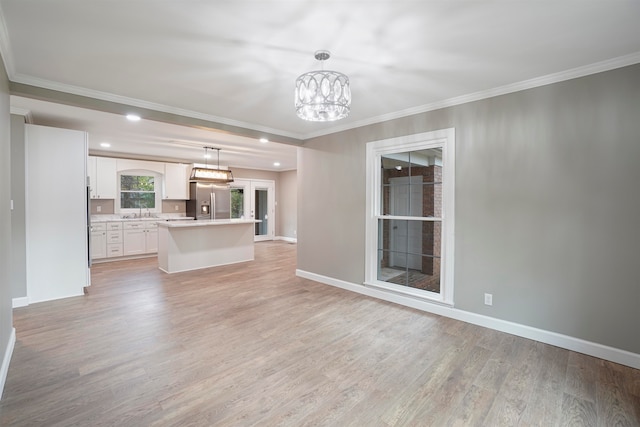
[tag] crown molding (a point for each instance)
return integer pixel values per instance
(561, 76)
(28, 117)
(118, 99)
(573, 73)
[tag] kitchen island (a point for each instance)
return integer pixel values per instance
(191, 245)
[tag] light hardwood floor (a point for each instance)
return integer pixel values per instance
(252, 344)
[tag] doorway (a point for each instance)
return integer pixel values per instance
(263, 209)
(255, 199)
(405, 236)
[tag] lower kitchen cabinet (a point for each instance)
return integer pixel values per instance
(140, 237)
(98, 240)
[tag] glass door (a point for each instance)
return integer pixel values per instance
(263, 209)
(241, 199)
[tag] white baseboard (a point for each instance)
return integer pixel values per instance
(612, 354)
(287, 239)
(4, 370)
(20, 302)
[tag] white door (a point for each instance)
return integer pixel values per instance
(406, 236)
(263, 209)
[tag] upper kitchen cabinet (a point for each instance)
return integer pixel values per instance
(176, 181)
(102, 177)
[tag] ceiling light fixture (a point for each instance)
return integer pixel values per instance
(105, 144)
(206, 174)
(322, 96)
(264, 140)
(276, 164)
(133, 117)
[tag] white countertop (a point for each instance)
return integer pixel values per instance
(205, 222)
(159, 218)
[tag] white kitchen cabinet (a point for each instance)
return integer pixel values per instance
(151, 239)
(176, 181)
(98, 241)
(140, 237)
(103, 177)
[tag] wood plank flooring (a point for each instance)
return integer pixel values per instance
(252, 344)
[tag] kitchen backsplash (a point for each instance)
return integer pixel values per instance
(174, 206)
(107, 206)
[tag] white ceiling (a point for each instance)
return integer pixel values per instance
(235, 62)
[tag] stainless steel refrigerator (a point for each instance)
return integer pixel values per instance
(209, 201)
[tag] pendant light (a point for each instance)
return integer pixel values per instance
(322, 96)
(206, 174)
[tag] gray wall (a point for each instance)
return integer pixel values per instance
(547, 205)
(287, 197)
(18, 215)
(6, 316)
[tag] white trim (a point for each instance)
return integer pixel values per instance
(598, 67)
(590, 348)
(442, 138)
(28, 117)
(287, 239)
(574, 73)
(20, 302)
(118, 99)
(7, 359)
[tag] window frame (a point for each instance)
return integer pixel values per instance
(157, 189)
(375, 150)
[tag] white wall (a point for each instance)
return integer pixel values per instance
(7, 333)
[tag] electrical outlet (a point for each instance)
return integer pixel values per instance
(98, 208)
(488, 299)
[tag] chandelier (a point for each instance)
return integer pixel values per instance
(206, 174)
(322, 96)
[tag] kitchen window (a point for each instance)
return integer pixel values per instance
(139, 192)
(410, 195)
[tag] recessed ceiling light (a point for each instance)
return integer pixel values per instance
(398, 168)
(264, 140)
(276, 163)
(133, 117)
(105, 144)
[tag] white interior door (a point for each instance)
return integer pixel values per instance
(263, 209)
(406, 236)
